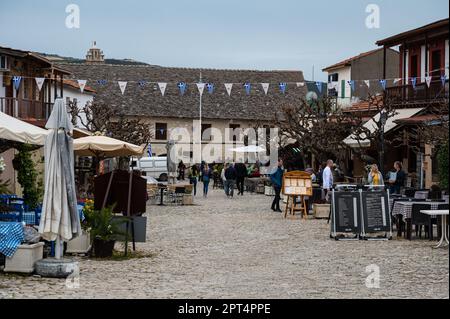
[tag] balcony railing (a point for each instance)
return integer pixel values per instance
(422, 94)
(25, 109)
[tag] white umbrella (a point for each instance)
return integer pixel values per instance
(60, 220)
(13, 129)
(104, 146)
(249, 149)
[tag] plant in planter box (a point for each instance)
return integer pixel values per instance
(103, 228)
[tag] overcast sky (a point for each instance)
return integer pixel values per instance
(233, 34)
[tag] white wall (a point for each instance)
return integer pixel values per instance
(2, 89)
(345, 74)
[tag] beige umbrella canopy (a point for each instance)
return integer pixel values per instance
(104, 147)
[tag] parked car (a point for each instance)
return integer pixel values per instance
(151, 167)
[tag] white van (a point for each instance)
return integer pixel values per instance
(155, 167)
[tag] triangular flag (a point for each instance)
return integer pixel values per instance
(265, 87)
(201, 88)
(414, 82)
(228, 87)
(352, 84)
(428, 80)
(367, 83)
(182, 87)
(142, 83)
(162, 87)
(332, 85)
(82, 85)
(397, 80)
(210, 87)
(40, 83)
(383, 84)
(247, 87)
(319, 86)
(300, 84)
(283, 86)
(102, 82)
(16, 81)
(122, 86)
(443, 79)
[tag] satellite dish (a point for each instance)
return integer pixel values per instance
(311, 96)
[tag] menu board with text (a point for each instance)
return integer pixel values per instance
(297, 184)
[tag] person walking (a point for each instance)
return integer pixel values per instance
(241, 174)
(193, 177)
(230, 175)
(181, 171)
(223, 178)
(277, 178)
(397, 178)
(206, 177)
(327, 179)
(375, 177)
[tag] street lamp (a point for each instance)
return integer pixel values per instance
(383, 119)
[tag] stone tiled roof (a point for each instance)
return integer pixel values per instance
(148, 101)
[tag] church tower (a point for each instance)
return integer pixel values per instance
(95, 55)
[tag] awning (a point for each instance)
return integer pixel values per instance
(103, 146)
(13, 129)
(372, 126)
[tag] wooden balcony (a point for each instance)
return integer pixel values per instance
(422, 95)
(25, 109)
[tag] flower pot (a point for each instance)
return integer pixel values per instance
(24, 259)
(79, 245)
(103, 249)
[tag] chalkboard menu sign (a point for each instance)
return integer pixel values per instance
(346, 212)
(376, 217)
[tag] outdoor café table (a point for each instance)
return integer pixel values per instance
(11, 236)
(442, 213)
(403, 210)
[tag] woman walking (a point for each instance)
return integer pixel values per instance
(206, 175)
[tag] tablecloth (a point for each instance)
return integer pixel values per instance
(11, 236)
(405, 208)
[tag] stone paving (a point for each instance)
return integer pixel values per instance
(239, 248)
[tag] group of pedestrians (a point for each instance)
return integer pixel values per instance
(233, 175)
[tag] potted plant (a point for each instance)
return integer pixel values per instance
(103, 228)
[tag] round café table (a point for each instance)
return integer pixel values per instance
(444, 239)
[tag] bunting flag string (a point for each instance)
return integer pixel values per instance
(82, 85)
(16, 81)
(428, 80)
(443, 79)
(383, 84)
(265, 87)
(352, 84)
(319, 86)
(201, 88)
(367, 82)
(162, 87)
(102, 82)
(142, 83)
(210, 88)
(182, 87)
(397, 80)
(40, 83)
(283, 86)
(247, 87)
(122, 86)
(414, 82)
(228, 87)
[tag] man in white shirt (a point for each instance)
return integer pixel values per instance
(327, 178)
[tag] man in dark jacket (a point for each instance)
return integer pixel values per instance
(230, 175)
(277, 179)
(241, 174)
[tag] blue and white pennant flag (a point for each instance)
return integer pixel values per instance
(182, 87)
(283, 86)
(16, 81)
(247, 87)
(210, 88)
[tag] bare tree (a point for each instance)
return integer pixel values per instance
(99, 118)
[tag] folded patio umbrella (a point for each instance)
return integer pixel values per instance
(60, 220)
